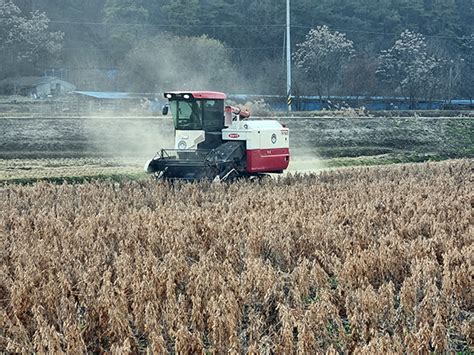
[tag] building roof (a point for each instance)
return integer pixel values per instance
(106, 95)
(116, 95)
(460, 102)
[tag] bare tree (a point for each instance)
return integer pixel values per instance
(466, 85)
(359, 78)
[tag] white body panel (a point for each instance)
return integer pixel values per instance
(258, 134)
(185, 140)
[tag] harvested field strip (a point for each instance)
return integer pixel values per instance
(367, 260)
(80, 169)
(329, 137)
(30, 169)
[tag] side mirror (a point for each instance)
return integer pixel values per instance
(165, 110)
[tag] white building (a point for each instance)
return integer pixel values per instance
(35, 86)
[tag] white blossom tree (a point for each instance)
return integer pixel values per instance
(322, 56)
(409, 68)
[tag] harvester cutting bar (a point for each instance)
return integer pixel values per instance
(198, 164)
(198, 154)
(177, 164)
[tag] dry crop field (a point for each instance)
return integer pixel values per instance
(359, 260)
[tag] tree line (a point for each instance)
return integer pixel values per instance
(416, 48)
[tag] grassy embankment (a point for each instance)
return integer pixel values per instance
(381, 141)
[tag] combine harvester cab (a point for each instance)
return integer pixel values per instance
(213, 142)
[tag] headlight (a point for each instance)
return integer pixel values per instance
(169, 96)
(147, 166)
(186, 96)
(182, 145)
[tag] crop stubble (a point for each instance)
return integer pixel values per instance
(366, 260)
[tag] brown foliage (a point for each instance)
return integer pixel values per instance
(360, 260)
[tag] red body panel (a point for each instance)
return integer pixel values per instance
(213, 95)
(267, 160)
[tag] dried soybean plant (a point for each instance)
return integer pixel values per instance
(356, 260)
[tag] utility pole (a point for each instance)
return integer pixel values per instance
(288, 56)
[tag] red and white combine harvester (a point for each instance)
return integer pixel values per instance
(218, 143)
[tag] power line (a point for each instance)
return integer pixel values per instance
(246, 26)
(157, 25)
(230, 48)
(115, 48)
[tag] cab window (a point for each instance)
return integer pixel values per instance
(187, 115)
(213, 115)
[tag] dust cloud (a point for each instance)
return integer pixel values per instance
(304, 155)
(135, 139)
(305, 161)
(132, 138)
(169, 63)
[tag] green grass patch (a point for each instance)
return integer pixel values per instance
(385, 159)
(78, 179)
